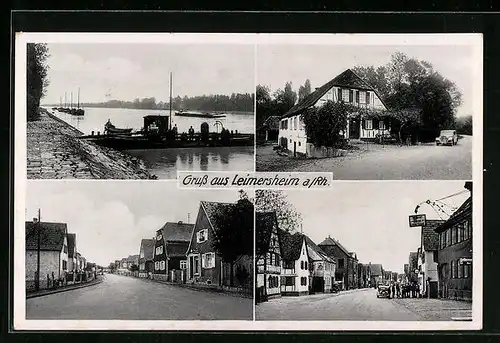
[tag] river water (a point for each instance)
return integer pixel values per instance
(164, 163)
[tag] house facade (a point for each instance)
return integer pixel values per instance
(146, 256)
(376, 274)
(364, 275)
(294, 268)
(72, 265)
(321, 269)
(413, 267)
(171, 245)
(346, 263)
(427, 259)
(455, 253)
(204, 265)
(53, 252)
(268, 259)
(347, 87)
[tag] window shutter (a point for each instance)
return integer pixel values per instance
(339, 94)
(357, 97)
(363, 124)
(350, 95)
(368, 97)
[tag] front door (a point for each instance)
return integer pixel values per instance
(354, 128)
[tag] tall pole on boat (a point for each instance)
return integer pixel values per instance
(65, 100)
(170, 101)
(71, 101)
(78, 106)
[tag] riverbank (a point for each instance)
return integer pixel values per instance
(54, 151)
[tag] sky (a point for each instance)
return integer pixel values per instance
(371, 218)
(111, 217)
(129, 71)
(277, 64)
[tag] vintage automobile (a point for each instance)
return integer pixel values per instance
(447, 137)
(383, 291)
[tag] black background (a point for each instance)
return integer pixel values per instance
(293, 22)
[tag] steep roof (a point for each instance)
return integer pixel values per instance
(430, 238)
(177, 231)
(212, 208)
(315, 253)
(132, 258)
(291, 245)
(148, 246)
(177, 249)
(463, 211)
(51, 236)
(347, 78)
(264, 224)
(375, 269)
(71, 237)
(331, 241)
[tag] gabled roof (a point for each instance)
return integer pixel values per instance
(331, 241)
(212, 208)
(177, 249)
(51, 236)
(177, 231)
(464, 210)
(348, 78)
(430, 238)
(315, 253)
(148, 246)
(376, 269)
(71, 244)
(291, 245)
(133, 258)
(264, 224)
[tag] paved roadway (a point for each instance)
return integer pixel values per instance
(127, 298)
(357, 305)
(377, 162)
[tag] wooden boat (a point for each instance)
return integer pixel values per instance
(198, 114)
(110, 129)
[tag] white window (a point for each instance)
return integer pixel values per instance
(201, 236)
(381, 125)
(208, 260)
(158, 236)
(301, 124)
(369, 124)
(183, 264)
(362, 97)
(159, 250)
(141, 254)
(157, 265)
(345, 95)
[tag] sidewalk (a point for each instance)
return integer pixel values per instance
(43, 292)
(437, 309)
(198, 287)
(54, 151)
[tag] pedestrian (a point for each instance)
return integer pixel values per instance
(398, 290)
(191, 133)
(393, 288)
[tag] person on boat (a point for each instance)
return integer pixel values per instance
(174, 129)
(191, 133)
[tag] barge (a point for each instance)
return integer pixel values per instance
(199, 114)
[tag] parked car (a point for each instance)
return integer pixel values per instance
(447, 137)
(383, 291)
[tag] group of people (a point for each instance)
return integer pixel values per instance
(405, 290)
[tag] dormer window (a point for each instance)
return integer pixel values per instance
(202, 236)
(159, 250)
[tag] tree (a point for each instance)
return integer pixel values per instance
(284, 99)
(464, 125)
(134, 268)
(276, 201)
(324, 125)
(304, 90)
(234, 236)
(36, 77)
(377, 78)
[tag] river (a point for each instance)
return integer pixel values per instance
(164, 163)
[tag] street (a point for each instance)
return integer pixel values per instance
(358, 305)
(378, 162)
(128, 298)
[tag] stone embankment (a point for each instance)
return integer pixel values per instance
(54, 151)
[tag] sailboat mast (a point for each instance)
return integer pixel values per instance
(78, 106)
(71, 100)
(65, 100)
(170, 100)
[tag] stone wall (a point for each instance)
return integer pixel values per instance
(49, 263)
(322, 152)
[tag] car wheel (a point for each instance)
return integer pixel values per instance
(437, 144)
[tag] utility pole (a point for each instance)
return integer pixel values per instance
(65, 100)
(170, 100)
(38, 229)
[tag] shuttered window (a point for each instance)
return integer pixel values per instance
(350, 95)
(357, 97)
(339, 94)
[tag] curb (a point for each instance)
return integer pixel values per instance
(201, 289)
(37, 295)
(52, 116)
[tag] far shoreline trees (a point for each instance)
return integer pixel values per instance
(235, 102)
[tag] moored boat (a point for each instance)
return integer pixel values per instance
(110, 129)
(198, 114)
